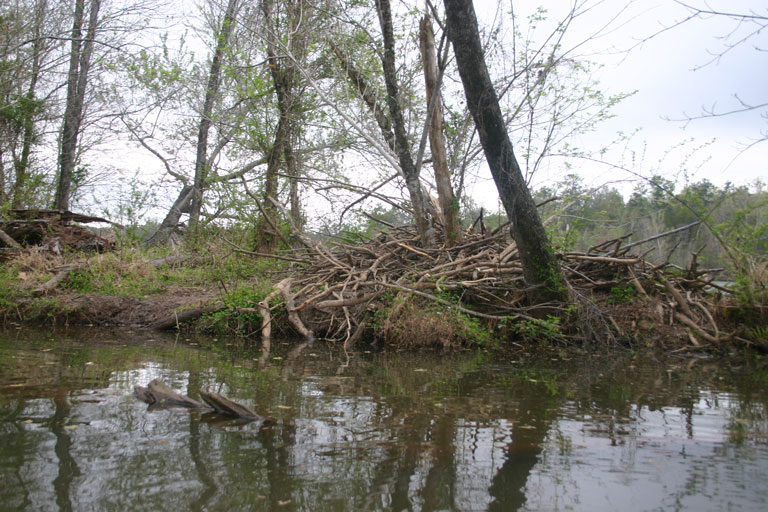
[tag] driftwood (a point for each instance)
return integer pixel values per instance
(339, 282)
(159, 393)
(227, 407)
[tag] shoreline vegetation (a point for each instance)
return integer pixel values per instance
(385, 289)
(328, 164)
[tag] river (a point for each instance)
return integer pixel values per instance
(372, 430)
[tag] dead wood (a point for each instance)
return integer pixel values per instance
(171, 260)
(338, 285)
(223, 405)
(158, 392)
(10, 242)
(61, 274)
(52, 229)
(172, 321)
(284, 287)
(661, 235)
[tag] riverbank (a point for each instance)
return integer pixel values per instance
(457, 302)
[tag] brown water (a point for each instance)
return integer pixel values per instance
(373, 431)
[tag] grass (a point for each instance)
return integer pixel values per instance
(129, 271)
(406, 321)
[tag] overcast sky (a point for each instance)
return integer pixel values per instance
(673, 80)
(671, 83)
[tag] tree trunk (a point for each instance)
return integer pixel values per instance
(211, 95)
(445, 195)
(77, 80)
(190, 198)
(22, 165)
(410, 172)
(171, 221)
(539, 264)
(284, 76)
(265, 237)
(292, 169)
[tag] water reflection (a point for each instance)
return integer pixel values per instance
(373, 432)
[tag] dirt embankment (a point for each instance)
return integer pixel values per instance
(113, 310)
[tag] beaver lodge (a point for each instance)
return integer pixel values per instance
(392, 290)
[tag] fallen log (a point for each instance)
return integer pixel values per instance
(10, 242)
(159, 393)
(176, 318)
(62, 273)
(227, 407)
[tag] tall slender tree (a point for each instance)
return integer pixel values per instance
(204, 126)
(190, 198)
(402, 147)
(445, 195)
(77, 82)
(539, 264)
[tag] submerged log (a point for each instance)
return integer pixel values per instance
(223, 405)
(158, 392)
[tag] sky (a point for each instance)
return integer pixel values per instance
(676, 76)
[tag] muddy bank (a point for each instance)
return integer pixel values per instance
(108, 310)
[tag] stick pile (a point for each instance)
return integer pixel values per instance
(341, 282)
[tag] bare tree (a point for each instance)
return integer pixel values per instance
(402, 147)
(448, 203)
(77, 81)
(539, 264)
(746, 26)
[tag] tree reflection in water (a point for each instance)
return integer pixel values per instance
(372, 432)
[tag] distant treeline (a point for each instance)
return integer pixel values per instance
(731, 216)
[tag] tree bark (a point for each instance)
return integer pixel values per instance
(407, 165)
(171, 221)
(22, 165)
(447, 199)
(211, 96)
(537, 258)
(265, 239)
(77, 80)
(284, 77)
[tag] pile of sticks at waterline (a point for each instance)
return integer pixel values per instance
(336, 284)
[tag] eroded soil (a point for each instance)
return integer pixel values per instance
(117, 310)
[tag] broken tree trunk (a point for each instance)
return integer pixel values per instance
(223, 405)
(446, 197)
(158, 392)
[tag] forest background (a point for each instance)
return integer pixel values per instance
(183, 118)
